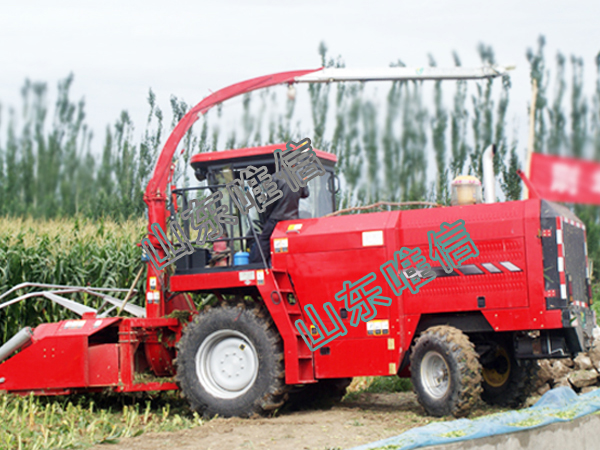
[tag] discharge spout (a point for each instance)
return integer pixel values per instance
(17, 342)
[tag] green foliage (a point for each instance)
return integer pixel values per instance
(391, 145)
(596, 301)
(47, 169)
(596, 112)
(578, 110)
(458, 126)
(376, 385)
(482, 114)
(439, 124)
(74, 252)
(389, 384)
(84, 421)
(349, 148)
(319, 101)
(511, 182)
(413, 141)
(538, 72)
(590, 216)
(557, 134)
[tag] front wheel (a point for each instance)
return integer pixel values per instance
(230, 362)
(445, 372)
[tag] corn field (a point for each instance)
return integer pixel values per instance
(82, 421)
(76, 252)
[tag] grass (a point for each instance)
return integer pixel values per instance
(378, 385)
(34, 423)
(389, 384)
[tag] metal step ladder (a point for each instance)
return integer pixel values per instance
(289, 300)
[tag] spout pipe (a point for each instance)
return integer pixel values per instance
(15, 343)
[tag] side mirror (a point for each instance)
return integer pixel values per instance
(333, 183)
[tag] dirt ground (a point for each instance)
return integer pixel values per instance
(366, 418)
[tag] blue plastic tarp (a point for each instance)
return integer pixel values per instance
(558, 405)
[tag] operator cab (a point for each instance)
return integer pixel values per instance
(214, 170)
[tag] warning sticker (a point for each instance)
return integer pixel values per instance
(260, 277)
(294, 227)
(378, 327)
(152, 296)
(247, 275)
(152, 283)
(372, 238)
(281, 245)
(74, 324)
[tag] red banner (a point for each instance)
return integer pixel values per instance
(566, 179)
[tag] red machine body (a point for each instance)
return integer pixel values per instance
(501, 290)
(529, 278)
(91, 354)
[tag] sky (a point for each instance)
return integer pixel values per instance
(117, 50)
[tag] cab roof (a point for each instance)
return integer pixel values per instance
(249, 154)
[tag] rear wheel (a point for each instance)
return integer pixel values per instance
(230, 362)
(445, 372)
(506, 381)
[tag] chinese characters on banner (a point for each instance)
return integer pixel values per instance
(450, 246)
(561, 179)
(296, 165)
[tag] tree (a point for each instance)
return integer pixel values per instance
(439, 124)
(538, 73)
(557, 135)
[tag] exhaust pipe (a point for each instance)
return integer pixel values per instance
(489, 179)
(17, 342)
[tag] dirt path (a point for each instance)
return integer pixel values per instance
(368, 418)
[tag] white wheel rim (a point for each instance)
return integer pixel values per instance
(435, 374)
(226, 364)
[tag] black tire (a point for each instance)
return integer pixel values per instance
(205, 348)
(445, 372)
(506, 381)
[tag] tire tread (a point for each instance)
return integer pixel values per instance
(463, 351)
(277, 391)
